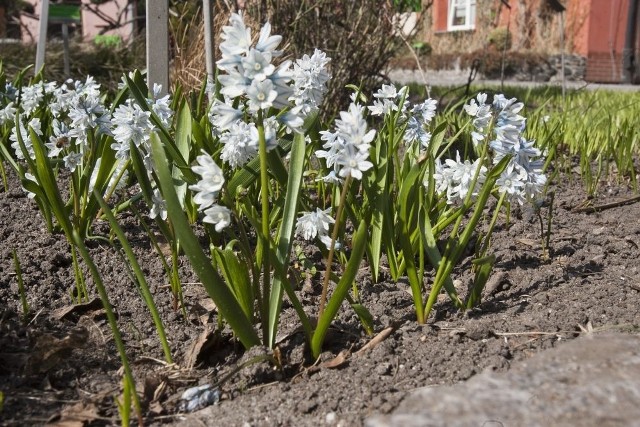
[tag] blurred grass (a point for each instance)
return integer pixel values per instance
(106, 63)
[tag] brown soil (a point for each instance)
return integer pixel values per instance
(58, 365)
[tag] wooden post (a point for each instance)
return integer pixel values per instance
(158, 44)
(209, 45)
(65, 45)
(42, 35)
(564, 78)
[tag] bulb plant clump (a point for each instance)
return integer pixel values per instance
(257, 168)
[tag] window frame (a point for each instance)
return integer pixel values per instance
(468, 4)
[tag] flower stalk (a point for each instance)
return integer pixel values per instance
(334, 238)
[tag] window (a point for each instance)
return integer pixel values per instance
(462, 15)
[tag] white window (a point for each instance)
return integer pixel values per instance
(462, 15)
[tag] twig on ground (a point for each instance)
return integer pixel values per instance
(598, 208)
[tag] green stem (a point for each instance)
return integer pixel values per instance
(334, 237)
(264, 198)
(487, 238)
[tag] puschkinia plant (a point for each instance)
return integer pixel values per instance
(256, 169)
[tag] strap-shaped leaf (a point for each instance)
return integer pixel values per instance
(285, 234)
(137, 270)
(183, 144)
(237, 277)
(353, 265)
(215, 287)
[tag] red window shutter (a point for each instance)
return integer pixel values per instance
(440, 10)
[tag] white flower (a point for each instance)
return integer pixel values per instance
(159, 207)
(240, 144)
(59, 140)
(387, 98)
(348, 147)
(131, 124)
(218, 215)
(312, 224)
(87, 114)
(30, 177)
(72, 160)
(31, 97)
(512, 181)
(268, 43)
(415, 131)
(233, 84)
(26, 137)
(310, 77)
(426, 110)
(160, 106)
(209, 186)
(257, 65)
(261, 95)
(7, 114)
(236, 41)
(481, 111)
(455, 177)
(352, 163)
(222, 114)
(293, 119)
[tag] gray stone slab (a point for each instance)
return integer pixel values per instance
(590, 381)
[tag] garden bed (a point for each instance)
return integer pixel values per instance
(60, 362)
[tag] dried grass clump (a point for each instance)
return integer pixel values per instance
(360, 37)
(186, 27)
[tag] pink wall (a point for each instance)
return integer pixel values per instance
(607, 25)
(91, 23)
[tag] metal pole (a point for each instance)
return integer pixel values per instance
(42, 35)
(207, 10)
(158, 44)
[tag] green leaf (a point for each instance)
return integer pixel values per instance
(137, 270)
(407, 198)
(365, 316)
(237, 277)
(285, 234)
(224, 299)
(44, 175)
(484, 267)
(183, 143)
(342, 289)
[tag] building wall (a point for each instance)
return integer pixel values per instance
(607, 25)
(92, 25)
(594, 29)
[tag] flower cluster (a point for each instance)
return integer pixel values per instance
(420, 116)
(347, 149)
(207, 190)
(454, 178)
(315, 224)
(522, 179)
(252, 84)
(387, 99)
(310, 77)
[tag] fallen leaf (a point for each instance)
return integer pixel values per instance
(50, 351)
(528, 242)
(201, 344)
(76, 309)
(74, 416)
(337, 361)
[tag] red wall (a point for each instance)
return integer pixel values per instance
(607, 25)
(439, 14)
